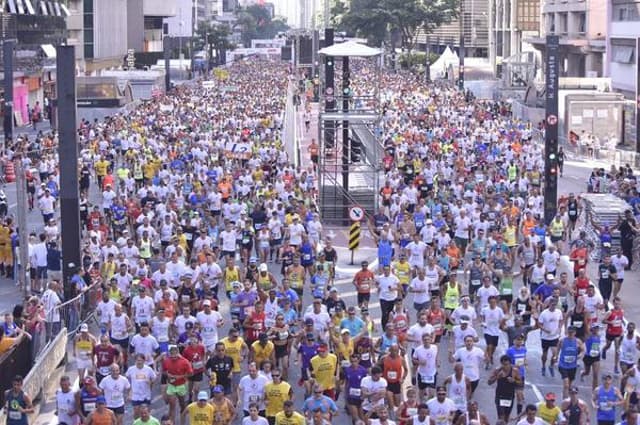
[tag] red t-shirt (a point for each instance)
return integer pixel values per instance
(105, 357)
(195, 353)
(177, 366)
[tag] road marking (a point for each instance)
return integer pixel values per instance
(536, 391)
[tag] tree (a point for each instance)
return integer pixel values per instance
(255, 22)
(214, 37)
(376, 20)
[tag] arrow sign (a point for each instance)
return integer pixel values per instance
(356, 213)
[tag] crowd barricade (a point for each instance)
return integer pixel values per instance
(80, 309)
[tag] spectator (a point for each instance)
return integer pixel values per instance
(54, 262)
(51, 302)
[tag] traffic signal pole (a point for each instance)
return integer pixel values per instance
(551, 130)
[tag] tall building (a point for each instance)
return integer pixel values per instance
(582, 27)
(623, 31)
(104, 31)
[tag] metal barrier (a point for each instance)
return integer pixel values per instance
(76, 311)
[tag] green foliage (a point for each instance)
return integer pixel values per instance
(416, 59)
(377, 19)
(214, 37)
(255, 22)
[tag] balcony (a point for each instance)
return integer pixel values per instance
(162, 8)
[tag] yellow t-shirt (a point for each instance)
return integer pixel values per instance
(403, 272)
(262, 353)
(548, 415)
(295, 419)
(324, 370)
(101, 168)
(346, 350)
(200, 415)
(233, 350)
(275, 396)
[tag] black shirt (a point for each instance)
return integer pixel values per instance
(604, 273)
(222, 367)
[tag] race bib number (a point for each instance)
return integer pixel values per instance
(355, 392)
(364, 287)
(569, 359)
(197, 365)
(89, 407)
(475, 282)
(254, 398)
(15, 415)
(345, 363)
(507, 291)
(428, 379)
(504, 403)
(392, 374)
(365, 356)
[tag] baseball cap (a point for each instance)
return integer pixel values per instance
(345, 331)
(308, 321)
(253, 260)
(323, 348)
(550, 397)
(101, 400)
(206, 302)
(263, 337)
(202, 395)
(217, 389)
(84, 328)
(550, 276)
(263, 267)
(310, 336)
(334, 289)
(573, 390)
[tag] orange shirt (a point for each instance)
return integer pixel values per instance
(225, 189)
(392, 369)
(454, 255)
(527, 226)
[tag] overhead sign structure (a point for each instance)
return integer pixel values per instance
(356, 213)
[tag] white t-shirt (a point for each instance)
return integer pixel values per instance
(491, 320)
(536, 421)
(471, 360)
(386, 283)
(427, 366)
(372, 387)
(420, 285)
(462, 227)
(209, 323)
(440, 412)
(228, 240)
(105, 310)
(143, 308)
(66, 403)
(259, 421)
(484, 292)
(141, 380)
(115, 390)
(619, 263)
(550, 324)
(146, 345)
(253, 391)
(416, 332)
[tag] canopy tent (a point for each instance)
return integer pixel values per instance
(448, 59)
(349, 48)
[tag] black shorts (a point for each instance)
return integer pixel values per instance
(474, 385)
(281, 351)
(124, 343)
(612, 338)
(507, 298)
(197, 377)
(117, 410)
(354, 402)
(602, 422)
(140, 402)
(504, 410)
(588, 360)
(548, 343)
(491, 340)
(569, 374)
(363, 298)
(424, 385)
(394, 387)
(164, 380)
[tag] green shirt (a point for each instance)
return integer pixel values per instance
(151, 421)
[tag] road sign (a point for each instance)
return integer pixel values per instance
(356, 213)
(552, 120)
(354, 236)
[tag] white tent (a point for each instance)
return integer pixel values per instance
(349, 48)
(448, 59)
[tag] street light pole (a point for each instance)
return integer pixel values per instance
(461, 52)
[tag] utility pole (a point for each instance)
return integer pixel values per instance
(68, 153)
(7, 58)
(461, 49)
(427, 60)
(167, 63)
(551, 131)
(24, 278)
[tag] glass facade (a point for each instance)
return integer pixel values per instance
(88, 29)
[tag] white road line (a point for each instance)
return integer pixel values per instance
(536, 391)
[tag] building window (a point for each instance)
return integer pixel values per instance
(622, 54)
(626, 11)
(582, 22)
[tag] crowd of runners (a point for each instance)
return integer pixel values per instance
(196, 222)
